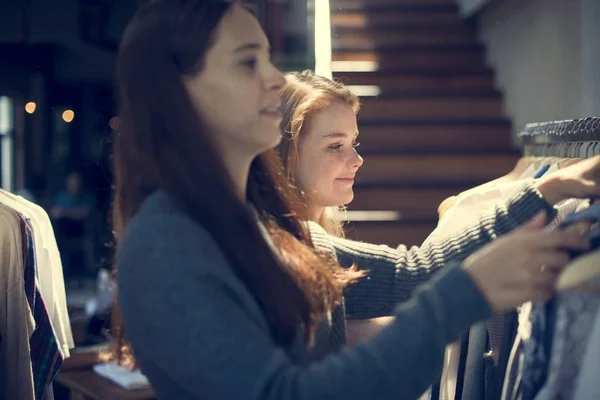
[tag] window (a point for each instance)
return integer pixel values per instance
(7, 128)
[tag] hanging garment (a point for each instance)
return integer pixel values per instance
(467, 210)
(528, 364)
(588, 384)
(450, 372)
(51, 281)
(529, 172)
(46, 358)
(473, 380)
(484, 377)
(574, 316)
(470, 208)
(16, 319)
(552, 337)
(512, 380)
(537, 349)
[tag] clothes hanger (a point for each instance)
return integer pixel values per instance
(596, 149)
(591, 150)
(568, 161)
(581, 146)
(522, 164)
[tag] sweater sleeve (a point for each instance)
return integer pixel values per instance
(196, 334)
(393, 273)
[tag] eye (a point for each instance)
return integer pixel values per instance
(250, 63)
(335, 146)
(355, 144)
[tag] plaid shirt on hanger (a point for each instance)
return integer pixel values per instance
(46, 358)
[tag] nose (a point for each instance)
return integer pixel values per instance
(355, 161)
(274, 79)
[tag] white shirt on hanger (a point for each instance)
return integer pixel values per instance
(16, 319)
(51, 282)
(470, 208)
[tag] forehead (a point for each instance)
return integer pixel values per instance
(237, 28)
(337, 117)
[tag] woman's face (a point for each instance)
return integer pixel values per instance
(328, 160)
(236, 92)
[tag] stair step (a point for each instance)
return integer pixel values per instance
(392, 233)
(403, 28)
(412, 57)
(450, 136)
(403, 199)
(379, 38)
(384, 92)
(433, 169)
(417, 80)
(406, 17)
(338, 3)
(431, 107)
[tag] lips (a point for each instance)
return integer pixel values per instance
(347, 180)
(272, 112)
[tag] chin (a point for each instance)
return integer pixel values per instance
(272, 139)
(264, 146)
(276, 140)
(345, 200)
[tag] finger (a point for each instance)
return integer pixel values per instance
(551, 261)
(543, 292)
(561, 240)
(536, 223)
(546, 280)
(592, 187)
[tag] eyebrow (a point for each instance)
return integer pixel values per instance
(250, 46)
(337, 135)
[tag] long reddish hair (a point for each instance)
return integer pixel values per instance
(304, 95)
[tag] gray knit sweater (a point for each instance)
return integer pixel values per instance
(198, 332)
(393, 273)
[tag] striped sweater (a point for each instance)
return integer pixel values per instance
(393, 273)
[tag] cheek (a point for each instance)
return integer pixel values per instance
(227, 106)
(309, 168)
(317, 173)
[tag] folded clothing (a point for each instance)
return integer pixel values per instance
(122, 376)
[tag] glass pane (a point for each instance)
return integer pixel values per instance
(6, 142)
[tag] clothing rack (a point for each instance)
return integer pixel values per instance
(478, 375)
(555, 140)
(576, 138)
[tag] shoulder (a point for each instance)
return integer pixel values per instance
(166, 256)
(322, 240)
(161, 236)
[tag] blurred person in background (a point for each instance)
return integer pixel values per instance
(71, 212)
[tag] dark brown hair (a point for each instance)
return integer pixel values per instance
(162, 144)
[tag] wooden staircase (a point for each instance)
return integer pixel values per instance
(432, 125)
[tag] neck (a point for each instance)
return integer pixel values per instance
(238, 167)
(316, 213)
